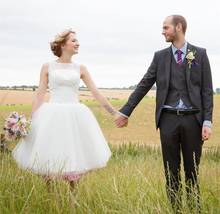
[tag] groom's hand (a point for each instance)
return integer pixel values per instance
(121, 121)
(206, 133)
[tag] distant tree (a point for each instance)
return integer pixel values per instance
(132, 87)
(217, 90)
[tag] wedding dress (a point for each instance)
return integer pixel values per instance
(65, 137)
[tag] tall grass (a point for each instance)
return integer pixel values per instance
(133, 182)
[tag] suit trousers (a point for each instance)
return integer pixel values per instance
(181, 134)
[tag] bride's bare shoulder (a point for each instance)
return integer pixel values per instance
(45, 68)
(83, 70)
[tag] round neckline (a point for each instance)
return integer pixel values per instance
(63, 63)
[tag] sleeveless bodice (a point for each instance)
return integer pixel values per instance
(65, 139)
(64, 81)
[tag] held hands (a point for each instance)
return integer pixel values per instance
(120, 120)
(206, 133)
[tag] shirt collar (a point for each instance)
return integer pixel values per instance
(183, 49)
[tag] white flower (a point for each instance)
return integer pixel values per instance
(190, 57)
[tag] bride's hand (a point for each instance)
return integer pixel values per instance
(120, 120)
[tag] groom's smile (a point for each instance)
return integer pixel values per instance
(169, 31)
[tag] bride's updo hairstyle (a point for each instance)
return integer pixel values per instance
(60, 39)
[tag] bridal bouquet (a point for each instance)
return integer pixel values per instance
(16, 126)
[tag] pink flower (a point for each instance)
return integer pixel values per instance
(16, 126)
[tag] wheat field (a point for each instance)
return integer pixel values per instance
(132, 182)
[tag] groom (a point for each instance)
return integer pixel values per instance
(184, 105)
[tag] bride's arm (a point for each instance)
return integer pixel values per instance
(42, 89)
(85, 76)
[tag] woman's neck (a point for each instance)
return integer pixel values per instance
(65, 59)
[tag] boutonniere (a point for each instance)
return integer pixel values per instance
(191, 59)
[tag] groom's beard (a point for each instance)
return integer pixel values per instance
(172, 37)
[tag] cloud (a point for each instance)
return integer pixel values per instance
(118, 38)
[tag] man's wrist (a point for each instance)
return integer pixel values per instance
(207, 123)
(122, 114)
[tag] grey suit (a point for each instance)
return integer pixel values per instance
(178, 133)
(198, 79)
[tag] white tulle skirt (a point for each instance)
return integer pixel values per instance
(64, 138)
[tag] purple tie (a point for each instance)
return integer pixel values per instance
(179, 57)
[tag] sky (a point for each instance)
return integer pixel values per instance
(117, 38)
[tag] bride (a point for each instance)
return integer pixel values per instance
(65, 139)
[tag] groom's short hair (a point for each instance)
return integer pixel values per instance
(179, 19)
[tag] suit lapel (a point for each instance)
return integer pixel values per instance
(188, 71)
(167, 65)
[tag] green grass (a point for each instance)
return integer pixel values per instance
(141, 128)
(133, 182)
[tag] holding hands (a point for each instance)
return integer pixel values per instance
(121, 120)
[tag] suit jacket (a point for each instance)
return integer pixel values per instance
(198, 80)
